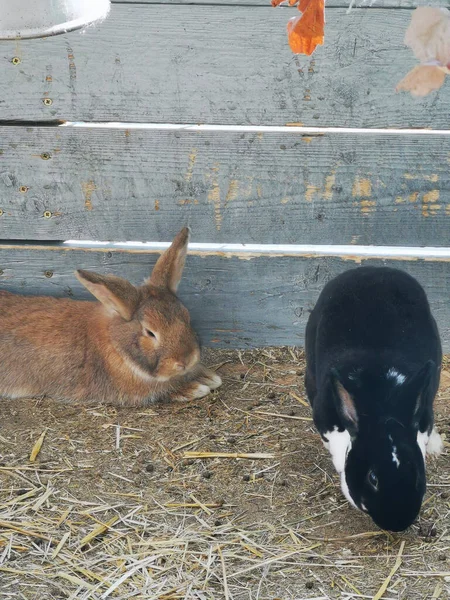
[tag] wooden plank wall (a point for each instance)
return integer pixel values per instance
(289, 188)
(236, 300)
(222, 65)
(258, 163)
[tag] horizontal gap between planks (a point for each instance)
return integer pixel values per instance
(244, 250)
(291, 128)
(18, 123)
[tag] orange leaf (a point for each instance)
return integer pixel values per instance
(306, 32)
(303, 4)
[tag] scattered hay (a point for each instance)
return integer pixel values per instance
(229, 498)
(37, 447)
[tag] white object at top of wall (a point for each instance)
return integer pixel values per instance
(41, 18)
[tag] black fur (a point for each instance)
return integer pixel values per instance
(367, 321)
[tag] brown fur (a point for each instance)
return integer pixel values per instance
(104, 351)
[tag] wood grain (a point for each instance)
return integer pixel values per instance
(235, 300)
(219, 65)
(143, 185)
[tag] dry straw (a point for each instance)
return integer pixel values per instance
(268, 522)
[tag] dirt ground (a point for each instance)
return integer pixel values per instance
(115, 507)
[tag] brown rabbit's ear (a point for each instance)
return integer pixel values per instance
(169, 266)
(115, 293)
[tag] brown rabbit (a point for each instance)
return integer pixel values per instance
(134, 346)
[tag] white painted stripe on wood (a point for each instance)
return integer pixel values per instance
(410, 252)
(251, 128)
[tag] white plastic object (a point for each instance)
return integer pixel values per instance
(21, 19)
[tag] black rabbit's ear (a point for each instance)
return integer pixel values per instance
(416, 395)
(344, 403)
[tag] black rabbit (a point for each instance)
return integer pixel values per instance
(373, 366)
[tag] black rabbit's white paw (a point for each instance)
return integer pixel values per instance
(430, 445)
(435, 445)
(338, 443)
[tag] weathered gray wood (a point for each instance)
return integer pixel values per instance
(143, 185)
(235, 301)
(219, 65)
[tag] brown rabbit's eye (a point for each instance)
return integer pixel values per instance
(149, 333)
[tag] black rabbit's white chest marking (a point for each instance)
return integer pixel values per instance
(394, 375)
(338, 443)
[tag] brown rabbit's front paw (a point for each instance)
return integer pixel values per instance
(209, 378)
(206, 381)
(192, 391)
